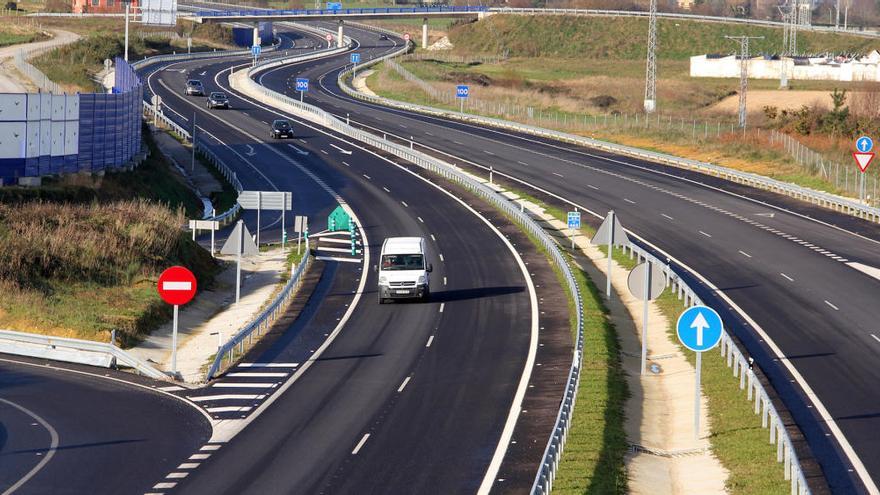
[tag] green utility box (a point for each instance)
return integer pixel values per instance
(338, 220)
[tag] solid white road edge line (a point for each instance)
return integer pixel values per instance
(53, 446)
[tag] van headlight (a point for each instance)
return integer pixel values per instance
(422, 280)
(383, 280)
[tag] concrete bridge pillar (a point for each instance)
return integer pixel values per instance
(257, 41)
(339, 35)
(425, 33)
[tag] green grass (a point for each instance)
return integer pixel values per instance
(10, 38)
(737, 438)
(624, 38)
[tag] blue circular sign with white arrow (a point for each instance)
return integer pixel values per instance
(699, 328)
(864, 144)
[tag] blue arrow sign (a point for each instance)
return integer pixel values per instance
(255, 50)
(864, 144)
(462, 91)
(302, 84)
(355, 58)
(574, 219)
(699, 328)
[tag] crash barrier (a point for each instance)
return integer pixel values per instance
(73, 351)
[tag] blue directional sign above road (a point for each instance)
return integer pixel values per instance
(302, 84)
(699, 328)
(355, 58)
(462, 91)
(574, 219)
(255, 50)
(864, 144)
(334, 5)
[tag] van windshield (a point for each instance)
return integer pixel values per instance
(403, 262)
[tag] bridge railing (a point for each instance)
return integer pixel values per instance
(365, 10)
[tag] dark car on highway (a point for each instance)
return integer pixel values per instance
(281, 129)
(218, 100)
(194, 88)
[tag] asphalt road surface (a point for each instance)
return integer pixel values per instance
(792, 268)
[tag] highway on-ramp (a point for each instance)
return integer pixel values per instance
(795, 283)
(408, 397)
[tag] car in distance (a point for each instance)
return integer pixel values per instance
(280, 129)
(194, 88)
(403, 270)
(218, 100)
(383, 36)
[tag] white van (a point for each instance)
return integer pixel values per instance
(403, 269)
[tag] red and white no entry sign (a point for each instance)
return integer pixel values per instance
(406, 36)
(329, 37)
(177, 285)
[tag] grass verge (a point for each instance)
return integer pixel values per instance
(737, 438)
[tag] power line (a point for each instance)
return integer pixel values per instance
(651, 69)
(743, 73)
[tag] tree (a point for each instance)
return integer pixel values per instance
(836, 121)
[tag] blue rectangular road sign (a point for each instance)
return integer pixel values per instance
(574, 219)
(462, 91)
(255, 50)
(355, 58)
(302, 84)
(334, 5)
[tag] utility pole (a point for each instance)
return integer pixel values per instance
(837, 16)
(743, 73)
(792, 29)
(651, 69)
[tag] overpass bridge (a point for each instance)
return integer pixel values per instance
(340, 15)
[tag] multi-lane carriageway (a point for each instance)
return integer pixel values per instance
(363, 397)
(795, 283)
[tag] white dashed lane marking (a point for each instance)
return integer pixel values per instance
(832, 306)
(787, 277)
(360, 444)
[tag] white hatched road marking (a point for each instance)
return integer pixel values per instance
(257, 374)
(209, 398)
(227, 409)
(160, 486)
(243, 385)
(333, 258)
(336, 241)
(173, 388)
(199, 457)
(268, 365)
(335, 250)
(188, 465)
(210, 447)
(177, 476)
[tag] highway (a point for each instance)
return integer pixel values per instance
(64, 431)
(405, 397)
(805, 277)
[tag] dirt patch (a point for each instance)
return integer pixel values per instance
(781, 99)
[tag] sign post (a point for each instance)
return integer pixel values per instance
(355, 59)
(240, 244)
(610, 233)
(300, 225)
(574, 224)
(863, 158)
(255, 51)
(266, 200)
(699, 329)
(646, 282)
(156, 100)
(462, 91)
(212, 225)
(302, 85)
(176, 286)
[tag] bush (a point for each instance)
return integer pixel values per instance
(603, 101)
(11, 6)
(58, 6)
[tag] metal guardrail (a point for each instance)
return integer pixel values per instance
(261, 323)
(672, 15)
(229, 215)
(833, 202)
(73, 350)
(735, 357)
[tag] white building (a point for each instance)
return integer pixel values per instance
(828, 68)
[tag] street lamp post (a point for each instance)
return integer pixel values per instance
(127, 4)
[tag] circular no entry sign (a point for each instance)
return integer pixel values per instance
(406, 36)
(177, 285)
(329, 37)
